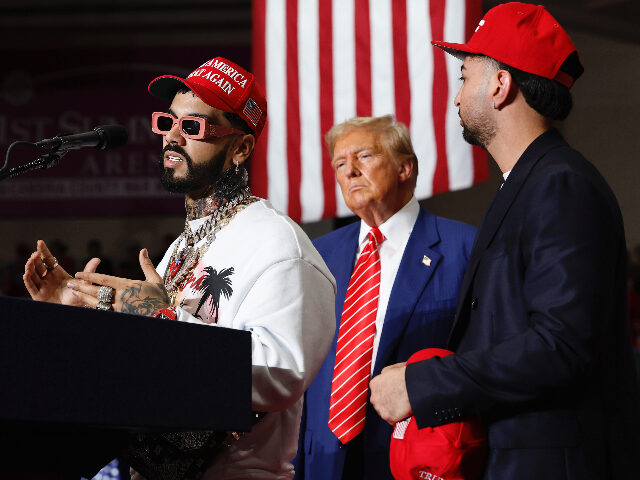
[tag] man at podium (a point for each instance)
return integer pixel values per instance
(238, 263)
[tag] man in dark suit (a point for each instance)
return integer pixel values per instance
(420, 261)
(541, 335)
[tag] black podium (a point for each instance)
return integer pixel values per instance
(74, 381)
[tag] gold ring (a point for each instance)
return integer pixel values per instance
(55, 264)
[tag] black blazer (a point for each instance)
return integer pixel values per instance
(541, 330)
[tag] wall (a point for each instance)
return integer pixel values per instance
(605, 125)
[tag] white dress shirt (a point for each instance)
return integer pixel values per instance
(504, 178)
(396, 231)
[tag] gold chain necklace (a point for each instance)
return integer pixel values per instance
(183, 262)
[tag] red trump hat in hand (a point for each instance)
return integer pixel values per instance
(455, 451)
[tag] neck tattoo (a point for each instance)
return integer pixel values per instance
(196, 208)
(225, 199)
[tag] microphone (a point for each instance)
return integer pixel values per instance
(103, 137)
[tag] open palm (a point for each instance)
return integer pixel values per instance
(50, 285)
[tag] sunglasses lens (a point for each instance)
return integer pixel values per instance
(164, 123)
(190, 127)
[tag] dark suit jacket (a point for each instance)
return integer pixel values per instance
(419, 315)
(541, 332)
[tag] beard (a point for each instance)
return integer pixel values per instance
(198, 176)
(479, 127)
(479, 130)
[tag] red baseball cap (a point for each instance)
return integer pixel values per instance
(455, 451)
(525, 37)
(221, 84)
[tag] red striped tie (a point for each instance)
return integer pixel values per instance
(355, 343)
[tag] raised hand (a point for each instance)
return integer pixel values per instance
(129, 296)
(46, 281)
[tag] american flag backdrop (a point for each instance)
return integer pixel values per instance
(325, 61)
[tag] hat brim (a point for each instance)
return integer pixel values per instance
(166, 86)
(458, 50)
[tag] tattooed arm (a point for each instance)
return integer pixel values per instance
(130, 296)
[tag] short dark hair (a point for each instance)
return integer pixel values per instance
(548, 97)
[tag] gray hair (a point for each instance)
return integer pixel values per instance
(394, 136)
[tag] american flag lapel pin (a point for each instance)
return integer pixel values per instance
(426, 260)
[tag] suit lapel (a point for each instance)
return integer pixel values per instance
(342, 264)
(500, 205)
(412, 277)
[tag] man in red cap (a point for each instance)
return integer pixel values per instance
(238, 263)
(541, 337)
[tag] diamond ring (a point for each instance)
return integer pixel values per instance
(103, 305)
(105, 294)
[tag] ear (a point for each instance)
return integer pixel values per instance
(405, 167)
(503, 86)
(242, 148)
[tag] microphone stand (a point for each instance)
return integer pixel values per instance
(47, 160)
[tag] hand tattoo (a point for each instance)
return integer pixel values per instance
(144, 298)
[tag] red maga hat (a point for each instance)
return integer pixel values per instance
(525, 37)
(455, 451)
(221, 84)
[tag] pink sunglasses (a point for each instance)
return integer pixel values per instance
(195, 128)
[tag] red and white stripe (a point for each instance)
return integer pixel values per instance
(325, 61)
(350, 383)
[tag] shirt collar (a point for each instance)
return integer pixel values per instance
(396, 227)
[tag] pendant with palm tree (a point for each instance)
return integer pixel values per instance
(213, 285)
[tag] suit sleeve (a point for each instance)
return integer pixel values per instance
(568, 254)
